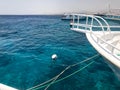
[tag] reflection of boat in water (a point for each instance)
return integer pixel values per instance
(102, 38)
(70, 17)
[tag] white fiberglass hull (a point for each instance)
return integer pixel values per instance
(112, 61)
(114, 68)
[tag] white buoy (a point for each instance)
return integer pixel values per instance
(54, 57)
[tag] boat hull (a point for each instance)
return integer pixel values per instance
(114, 68)
(110, 60)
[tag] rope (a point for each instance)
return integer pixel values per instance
(85, 60)
(67, 76)
(65, 70)
(55, 78)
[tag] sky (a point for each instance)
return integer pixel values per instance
(55, 6)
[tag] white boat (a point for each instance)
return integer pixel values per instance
(101, 37)
(112, 17)
(66, 17)
(69, 17)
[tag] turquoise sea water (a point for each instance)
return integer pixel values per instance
(26, 46)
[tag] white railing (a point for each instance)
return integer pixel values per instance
(87, 25)
(89, 22)
(104, 42)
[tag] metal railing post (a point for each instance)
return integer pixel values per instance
(78, 21)
(86, 22)
(73, 21)
(91, 24)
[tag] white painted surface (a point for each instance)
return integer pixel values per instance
(5, 87)
(103, 51)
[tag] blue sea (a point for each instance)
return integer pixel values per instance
(27, 44)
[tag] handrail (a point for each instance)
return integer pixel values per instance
(113, 47)
(92, 24)
(106, 43)
(105, 22)
(84, 25)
